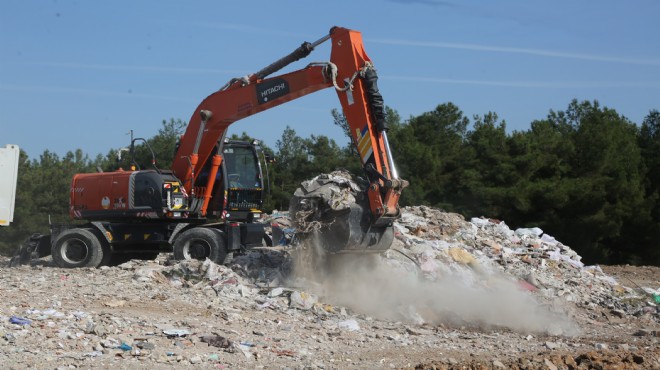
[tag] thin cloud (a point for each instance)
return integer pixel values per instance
(425, 2)
(531, 84)
(154, 69)
(79, 91)
(229, 26)
(500, 49)
(249, 29)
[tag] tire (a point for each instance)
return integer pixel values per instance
(108, 253)
(201, 243)
(77, 248)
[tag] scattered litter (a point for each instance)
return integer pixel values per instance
(216, 341)
(176, 332)
(302, 300)
(144, 345)
(9, 337)
(19, 320)
(115, 303)
(283, 352)
(276, 292)
(350, 325)
(125, 347)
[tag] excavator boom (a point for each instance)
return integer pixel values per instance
(366, 225)
(350, 71)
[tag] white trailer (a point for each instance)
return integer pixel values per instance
(8, 174)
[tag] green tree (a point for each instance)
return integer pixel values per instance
(492, 175)
(586, 185)
(299, 159)
(646, 232)
(159, 149)
(428, 150)
(290, 152)
(649, 143)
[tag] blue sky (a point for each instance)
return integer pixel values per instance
(81, 74)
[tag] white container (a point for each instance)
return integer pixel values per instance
(8, 174)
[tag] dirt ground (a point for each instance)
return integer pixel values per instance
(148, 314)
(608, 341)
(634, 276)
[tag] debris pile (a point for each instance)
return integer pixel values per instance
(335, 191)
(450, 290)
(445, 244)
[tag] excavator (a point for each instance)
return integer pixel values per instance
(197, 209)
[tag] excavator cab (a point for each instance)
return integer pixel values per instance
(240, 185)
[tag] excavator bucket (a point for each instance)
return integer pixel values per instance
(332, 212)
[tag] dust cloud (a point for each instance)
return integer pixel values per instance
(374, 286)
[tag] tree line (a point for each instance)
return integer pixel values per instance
(586, 175)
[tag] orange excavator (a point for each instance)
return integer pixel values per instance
(196, 209)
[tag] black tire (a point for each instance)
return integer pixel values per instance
(77, 248)
(201, 243)
(108, 253)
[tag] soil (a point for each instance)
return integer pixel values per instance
(608, 342)
(81, 318)
(634, 276)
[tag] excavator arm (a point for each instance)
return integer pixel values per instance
(349, 71)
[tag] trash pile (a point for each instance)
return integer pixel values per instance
(151, 314)
(445, 244)
(480, 257)
(332, 192)
(448, 287)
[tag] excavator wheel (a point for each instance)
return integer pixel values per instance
(77, 248)
(200, 243)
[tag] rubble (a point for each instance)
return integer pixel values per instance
(451, 293)
(335, 191)
(534, 258)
